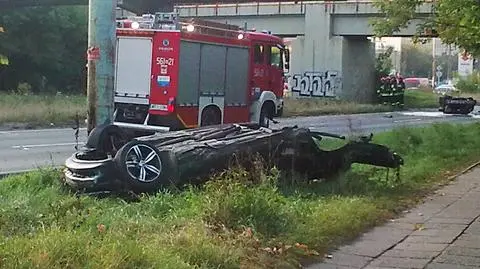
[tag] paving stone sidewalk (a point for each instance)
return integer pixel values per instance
(441, 233)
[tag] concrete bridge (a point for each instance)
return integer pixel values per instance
(331, 54)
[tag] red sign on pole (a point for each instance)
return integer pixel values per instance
(93, 53)
(465, 56)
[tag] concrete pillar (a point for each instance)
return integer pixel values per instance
(344, 67)
(296, 55)
(318, 72)
(101, 62)
(358, 67)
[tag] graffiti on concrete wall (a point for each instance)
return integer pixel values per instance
(316, 84)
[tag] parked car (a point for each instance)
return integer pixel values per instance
(445, 88)
(412, 83)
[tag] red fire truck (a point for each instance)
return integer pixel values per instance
(174, 73)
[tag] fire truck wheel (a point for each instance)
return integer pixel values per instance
(211, 115)
(266, 113)
(279, 112)
(143, 168)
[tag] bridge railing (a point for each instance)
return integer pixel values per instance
(270, 7)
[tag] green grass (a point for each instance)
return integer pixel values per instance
(327, 106)
(421, 99)
(231, 222)
(470, 84)
(41, 110)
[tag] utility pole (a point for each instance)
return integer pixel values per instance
(449, 63)
(434, 62)
(100, 62)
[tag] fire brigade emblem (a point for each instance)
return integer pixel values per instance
(163, 81)
(165, 42)
(163, 69)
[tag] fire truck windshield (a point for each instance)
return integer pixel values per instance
(276, 57)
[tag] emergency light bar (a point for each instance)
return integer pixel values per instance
(171, 21)
(165, 21)
(212, 28)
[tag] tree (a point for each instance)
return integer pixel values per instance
(3, 58)
(456, 22)
(45, 47)
(383, 64)
(417, 61)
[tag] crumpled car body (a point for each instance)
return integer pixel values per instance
(115, 160)
(456, 105)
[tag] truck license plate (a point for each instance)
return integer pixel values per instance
(158, 107)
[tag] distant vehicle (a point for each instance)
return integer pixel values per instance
(414, 83)
(445, 89)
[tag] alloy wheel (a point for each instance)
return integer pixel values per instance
(143, 163)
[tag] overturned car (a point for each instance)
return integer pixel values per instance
(456, 105)
(114, 160)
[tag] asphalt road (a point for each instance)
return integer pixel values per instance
(29, 149)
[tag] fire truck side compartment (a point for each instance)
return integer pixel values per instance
(212, 70)
(217, 70)
(189, 73)
(237, 77)
(133, 70)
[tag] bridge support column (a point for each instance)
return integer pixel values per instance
(328, 65)
(358, 68)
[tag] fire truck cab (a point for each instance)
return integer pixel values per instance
(174, 73)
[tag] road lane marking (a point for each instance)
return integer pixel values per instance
(407, 120)
(425, 114)
(47, 145)
(40, 130)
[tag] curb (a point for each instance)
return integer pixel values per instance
(13, 173)
(464, 171)
(19, 172)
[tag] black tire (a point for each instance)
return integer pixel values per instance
(143, 168)
(266, 113)
(106, 138)
(210, 116)
(279, 112)
(447, 109)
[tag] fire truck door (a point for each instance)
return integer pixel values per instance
(260, 76)
(274, 66)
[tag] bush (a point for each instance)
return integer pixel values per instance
(470, 84)
(40, 110)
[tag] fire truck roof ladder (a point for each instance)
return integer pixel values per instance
(211, 28)
(172, 21)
